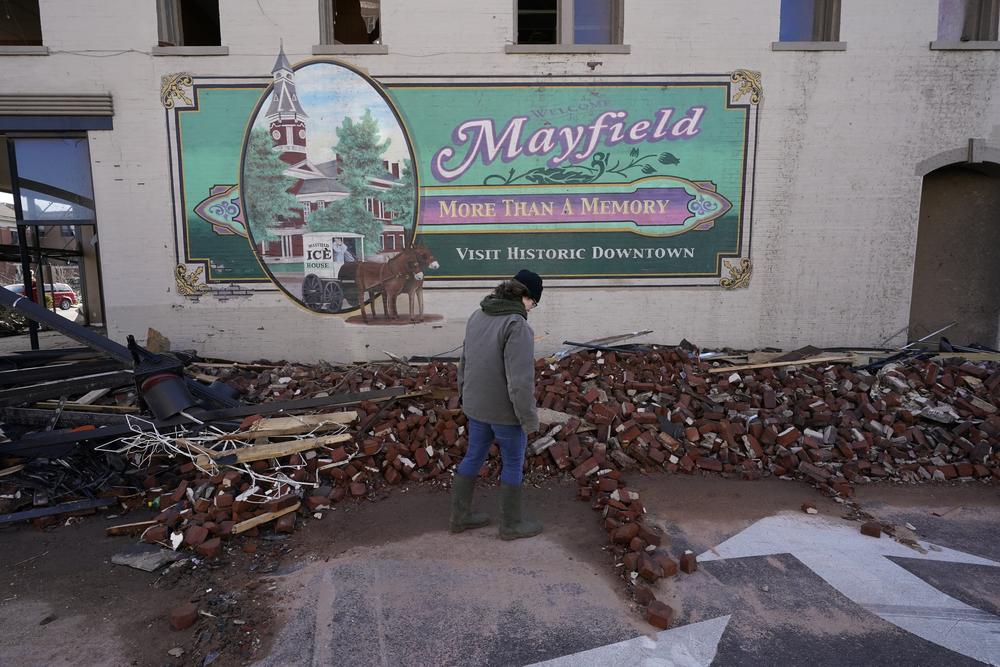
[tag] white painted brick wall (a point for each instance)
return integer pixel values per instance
(836, 203)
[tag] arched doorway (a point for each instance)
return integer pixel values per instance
(957, 269)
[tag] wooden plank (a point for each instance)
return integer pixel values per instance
(11, 470)
(774, 364)
(970, 356)
(295, 425)
(271, 450)
(244, 526)
(92, 396)
(128, 528)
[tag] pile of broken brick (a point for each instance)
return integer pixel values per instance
(826, 423)
(638, 549)
(666, 408)
(604, 412)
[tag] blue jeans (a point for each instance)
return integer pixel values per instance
(512, 441)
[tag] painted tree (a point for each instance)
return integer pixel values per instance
(361, 154)
(265, 187)
(401, 198)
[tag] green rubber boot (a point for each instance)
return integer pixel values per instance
(513, 526)
(462, 516)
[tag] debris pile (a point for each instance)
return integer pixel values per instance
(307, 437)
(817, 420)
(638, 549)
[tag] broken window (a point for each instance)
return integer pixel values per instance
(810, 21)
(20, 23)
(350, 21)
(47, 208)
(569, 22)
(188, 22)
(968, 20)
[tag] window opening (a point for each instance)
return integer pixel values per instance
(809, 21)
(189, 22)
(569, 21)
(20, 23)
(350, 21)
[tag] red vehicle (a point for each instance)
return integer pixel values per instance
(61, 293)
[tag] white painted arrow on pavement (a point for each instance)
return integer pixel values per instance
(693, 645)
(856, 566)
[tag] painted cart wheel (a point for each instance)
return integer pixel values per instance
(333, 296)
(312, 291)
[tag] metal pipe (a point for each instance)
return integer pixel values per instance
(22, 238)
(930, 335)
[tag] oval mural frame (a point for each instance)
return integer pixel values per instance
(407, 139)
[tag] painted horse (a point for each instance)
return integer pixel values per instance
(414, 285)
(391, 277)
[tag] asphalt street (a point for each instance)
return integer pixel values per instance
(774, 585)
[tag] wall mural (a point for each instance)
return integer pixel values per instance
(340, 190)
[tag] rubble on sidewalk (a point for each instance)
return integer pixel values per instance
(310, 437)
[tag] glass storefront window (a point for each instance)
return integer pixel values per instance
(54, 179)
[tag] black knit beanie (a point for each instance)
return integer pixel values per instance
(532, 281)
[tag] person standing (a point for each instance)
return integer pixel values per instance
(496, 387)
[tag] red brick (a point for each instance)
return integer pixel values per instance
(706, 463)
(285, 523)
(871, 529)
(279, 503)
(317, 502)
(689, 562)
(209, 548)
(649, 569)
(420, 457)
(179, 493)
(155, 534)
(231, 479)
(659, 615)
(183, 617)
(650, 536)
(666, 563)
(224, 500)
(169, 518)
(392, 476)
(788, 436)
(585, 469)
(195, 535)
(624, 534)
(358, 489)
(643, 596)
(606, 485)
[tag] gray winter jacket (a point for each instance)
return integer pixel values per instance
(496, 374)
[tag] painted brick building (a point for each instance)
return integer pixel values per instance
(876, 149)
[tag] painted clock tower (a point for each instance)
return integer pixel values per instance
(286, 119)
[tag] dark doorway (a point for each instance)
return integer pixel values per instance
(956, 276)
